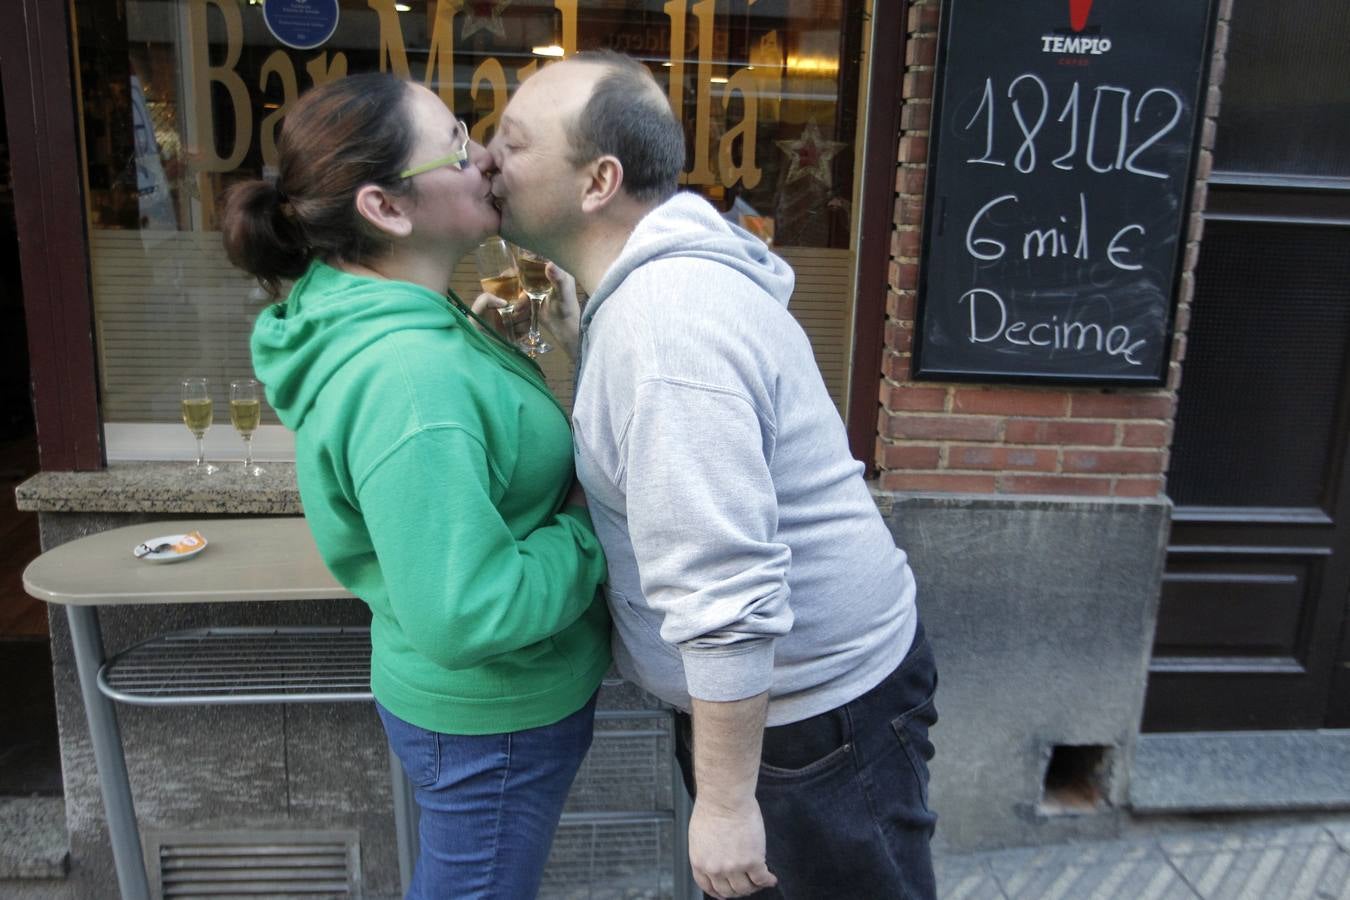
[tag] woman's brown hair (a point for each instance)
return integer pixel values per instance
(339, 136)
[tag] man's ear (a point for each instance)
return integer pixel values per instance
(605, 182)
(387, 212)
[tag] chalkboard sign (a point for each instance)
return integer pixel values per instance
(1058, 187)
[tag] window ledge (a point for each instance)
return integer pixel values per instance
(164, 487)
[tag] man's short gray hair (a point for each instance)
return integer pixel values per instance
(628, 117)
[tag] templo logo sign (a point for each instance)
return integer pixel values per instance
(1072, 41)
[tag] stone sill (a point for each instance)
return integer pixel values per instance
(163, 487)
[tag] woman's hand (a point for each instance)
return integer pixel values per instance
(490, 309)
(561, 315)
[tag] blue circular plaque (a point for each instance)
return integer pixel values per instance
(302, 24)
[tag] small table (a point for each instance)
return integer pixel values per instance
(246, 560)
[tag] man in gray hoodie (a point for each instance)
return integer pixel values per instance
(752, 582)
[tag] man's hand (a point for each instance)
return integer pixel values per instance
(561, 315)
(726, 829)
(726, 849)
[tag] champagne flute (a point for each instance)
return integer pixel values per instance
(534, 279)
(245, 411)
(498, 274)
(195, 400)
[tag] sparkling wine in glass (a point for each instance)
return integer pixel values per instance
(497, 272)
(195, 399)
(245, 412)
(534, 279)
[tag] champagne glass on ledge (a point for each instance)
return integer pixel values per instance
(195, 400)
(245, 412)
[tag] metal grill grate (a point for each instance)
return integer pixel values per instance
(626, 857)
(223, 865)
(1265, 367)
(242, 665)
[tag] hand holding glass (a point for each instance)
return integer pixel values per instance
(534, 279)
(497, 272)
(245, 412)
(196, 404)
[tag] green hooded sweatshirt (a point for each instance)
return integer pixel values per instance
(433, 464)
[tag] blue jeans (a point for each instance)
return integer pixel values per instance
(844, 794)
(490, 803)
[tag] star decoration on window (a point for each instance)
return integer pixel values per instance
(484, 15)
(810, 155)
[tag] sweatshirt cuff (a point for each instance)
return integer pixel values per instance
(724, 674)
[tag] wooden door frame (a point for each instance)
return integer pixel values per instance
(41, 116)
(876, 223)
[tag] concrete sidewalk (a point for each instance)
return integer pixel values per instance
(1284, 858)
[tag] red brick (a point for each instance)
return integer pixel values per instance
(921, 50)
(942, 428)
(917, 85)
(1183, 319)
(901, 305)
(923, 17)
(913, 149)
(895, 366)
(1011, 402)
(904, 276)
(1040, 431)
(899, 335)
(1146, 434)
(907, 243)
(1122, 406)
(915, 115)
(910, 179)
(1056, 484)
(960, 456)
(907, 456)
(913, 398)
(939, 482)
(909, 210)
(1114, 461)
(1138, 487)
(1174, 376)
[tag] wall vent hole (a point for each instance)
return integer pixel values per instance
(1077, 779)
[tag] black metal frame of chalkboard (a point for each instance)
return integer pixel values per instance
(928, 362)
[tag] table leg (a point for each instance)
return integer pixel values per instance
(112, 765)
(405, 820)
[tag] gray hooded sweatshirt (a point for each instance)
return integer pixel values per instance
(745, 551)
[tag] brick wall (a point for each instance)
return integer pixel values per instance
(1004, 439)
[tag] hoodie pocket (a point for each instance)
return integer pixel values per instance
(639, 626)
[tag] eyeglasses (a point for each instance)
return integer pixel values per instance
(459, 158)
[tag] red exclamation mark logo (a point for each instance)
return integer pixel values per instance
(1078, 13)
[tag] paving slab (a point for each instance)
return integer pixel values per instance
(33, 840)
(961, 879)
(1296, 871)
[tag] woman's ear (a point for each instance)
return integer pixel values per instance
(605, 180)
(386, 211)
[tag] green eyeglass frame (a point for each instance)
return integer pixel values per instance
(459, 158)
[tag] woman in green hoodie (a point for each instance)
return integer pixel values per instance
(435, 469)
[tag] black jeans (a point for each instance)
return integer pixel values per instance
(844, 794)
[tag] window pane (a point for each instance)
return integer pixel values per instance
(1286, 94)
(182, 97)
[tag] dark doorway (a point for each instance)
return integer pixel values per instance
(1252, 628)
(29, 755)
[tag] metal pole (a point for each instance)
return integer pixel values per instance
(405, 820)
(112, 764)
